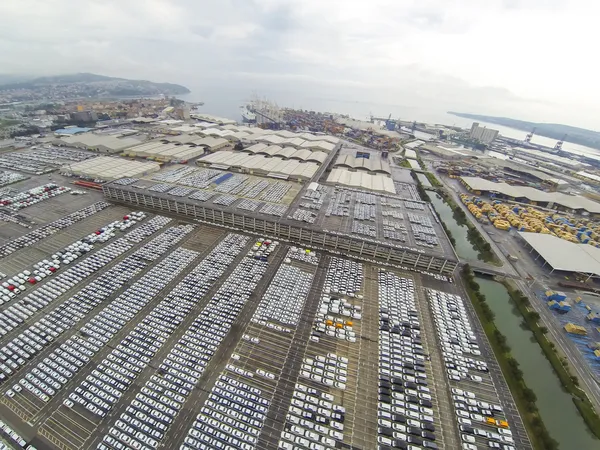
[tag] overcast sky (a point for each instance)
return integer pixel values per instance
(529, 59)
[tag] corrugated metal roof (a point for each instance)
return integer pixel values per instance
(565, 255)
(362, 180)
(370, 164)
(264, 163)
(532, 194)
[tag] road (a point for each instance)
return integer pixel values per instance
(527, 266)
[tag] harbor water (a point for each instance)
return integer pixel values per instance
(557, 410)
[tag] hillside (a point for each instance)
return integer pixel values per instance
(89, 85)
(557, 131)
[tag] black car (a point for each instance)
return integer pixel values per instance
(415, 431)
(428, 435)
(398, 418)
(428, 426)
(386, 431)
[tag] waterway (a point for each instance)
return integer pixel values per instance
(463, 247)
(557, 410)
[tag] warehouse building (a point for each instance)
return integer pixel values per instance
(172, 149)
(524, 194)
(109, 168)
(563, 256)
(361, 180)
(102, 143)
(260, 165)
(410, 154)
(371, 165)
(287, 153)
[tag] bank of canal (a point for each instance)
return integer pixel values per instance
(556, 408)
(463, 247)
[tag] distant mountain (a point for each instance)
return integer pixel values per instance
(556, 131)
(94, 85)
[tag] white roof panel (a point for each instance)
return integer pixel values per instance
(565, 255)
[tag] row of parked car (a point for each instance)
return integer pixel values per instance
(15, 314)
(236, 408)
(32, 196)
(100, 329)
(231, 418)
(284, 299)
(406, 418)
(458, 341)
(41, 334)
(330, 370)
(313, 421)
(47, 267)
(46, 230)
(104, 328)
(164, 394)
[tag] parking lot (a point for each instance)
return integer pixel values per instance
(124, 329)
(402, 221)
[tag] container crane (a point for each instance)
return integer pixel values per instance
(529, 136)
(559, 144)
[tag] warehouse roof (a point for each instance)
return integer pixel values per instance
(532, 194)
(588, 175)
(371, 165)
(379, 183)
(564, 255)
(262, 163)
(287, 152)
(413, 144)
(108, 168)
(319, 145)
(92, 140)
(516, 166)
(408, 153)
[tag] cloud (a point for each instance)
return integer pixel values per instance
(523, 58)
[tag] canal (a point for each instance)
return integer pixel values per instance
(463, 247)
(557, 410)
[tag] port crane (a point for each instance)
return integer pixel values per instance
(529, 136)
(559, 144)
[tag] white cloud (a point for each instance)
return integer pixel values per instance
(531, 59)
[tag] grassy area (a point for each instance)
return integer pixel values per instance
(433, 180)
(560, 366)
(524, 397)
(474, 236)
(405, 163)
(4, 123)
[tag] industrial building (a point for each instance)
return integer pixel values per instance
(260, 165)
(178, 148)
(446, 152)
(371, 165)
(287, 153)
(564, 256)
(362, 180)
(109, 168)
(102, 143)
(588, 176)
(410, 154)
(550, 158)
(524, 194)
(483, 134)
